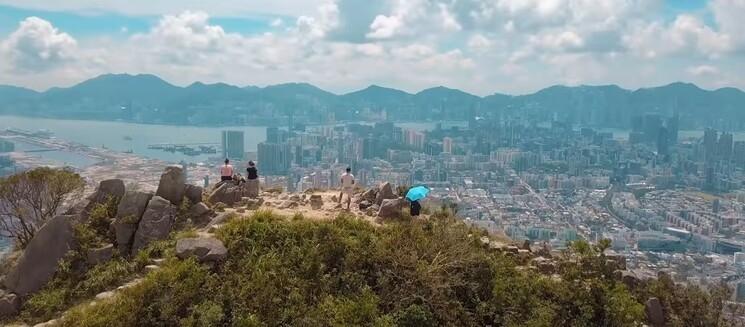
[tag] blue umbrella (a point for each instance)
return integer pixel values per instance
(417, 193)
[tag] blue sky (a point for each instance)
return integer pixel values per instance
(481, 46)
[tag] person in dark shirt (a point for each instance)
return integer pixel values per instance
(415, 208)
(253, 173)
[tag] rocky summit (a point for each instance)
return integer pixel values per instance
(194, 253)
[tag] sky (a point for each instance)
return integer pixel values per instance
(479, 46)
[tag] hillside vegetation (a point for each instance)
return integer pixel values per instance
(346, 272)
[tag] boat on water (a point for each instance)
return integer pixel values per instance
(127, 138)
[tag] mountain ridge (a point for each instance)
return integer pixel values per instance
(104, 96)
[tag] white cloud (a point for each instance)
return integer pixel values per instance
(37, 46)
(481, 46)
(703, 70)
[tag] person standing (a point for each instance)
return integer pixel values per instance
(415, 208)
(226, 171)
(347, 187)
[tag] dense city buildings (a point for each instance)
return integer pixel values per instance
(233, 145)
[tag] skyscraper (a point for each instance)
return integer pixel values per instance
(447, 145)
(710, 144)
(673, 127)
(724, 146)
(274, 158)
(232, 145)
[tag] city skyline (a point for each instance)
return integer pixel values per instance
(477, 46)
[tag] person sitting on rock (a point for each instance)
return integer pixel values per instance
(226, 171)
(253, 173)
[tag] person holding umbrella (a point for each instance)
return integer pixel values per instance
(414, 195)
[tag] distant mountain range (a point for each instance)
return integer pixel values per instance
(148, 98)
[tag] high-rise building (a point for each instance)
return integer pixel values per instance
(663, 142)
(232, 145)
(652, 125)
(738, 153)
(673, 128)
(274, 158)
(276, 135)
(710, 144)
(724, 146)
(447, 145)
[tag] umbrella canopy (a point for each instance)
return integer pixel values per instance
(417, 193)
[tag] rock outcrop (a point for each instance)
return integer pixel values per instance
(41, 257)
(316, 201)
(654, 313)
(205, 249)
(228, 193)
(391, 208)
(100, 255)
(385, 193)
(252, 188)
(130, 210)
(9, 304)
(172, 185)
(193, 193)
(110, 188)
(156, 223)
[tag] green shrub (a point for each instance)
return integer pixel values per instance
(346, 272)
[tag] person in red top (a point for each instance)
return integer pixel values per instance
(226, 172)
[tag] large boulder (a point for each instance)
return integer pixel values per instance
(128, 215)
(316, 201)
(110, 188)
(368, 195)
(156, 223)
(391, 208)
(228, 193)
(204, 249)
(193, 193)
(252, 188)
(41, 257)
(653, 310)
(385, 193)
(172, 184)
(100, 255)
(10, 304)
(200, 214)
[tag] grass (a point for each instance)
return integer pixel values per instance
(346, 272)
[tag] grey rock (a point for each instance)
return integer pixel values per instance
(204, 249)
(316, 201)
(368, 195)
(193, 193)
(105, 295)
(287, 204)
(252, 188)
(10, 304)
(365, 204)
(653, 310)
(110, 188)
(172, 184)
(41, 257)
(220, 219)
(390, 208)
(252, 204)
(128, 215)
(385, 193)
(132, 206)
(629, 279)
(295, 197)
(227, 193)
(156, 223)
(51, 323)
(200, 210)
(100, 255)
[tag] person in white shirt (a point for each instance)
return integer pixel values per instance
(347, 187)
(226, 171)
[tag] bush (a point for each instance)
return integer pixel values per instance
(29, 199)
(346, 272)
